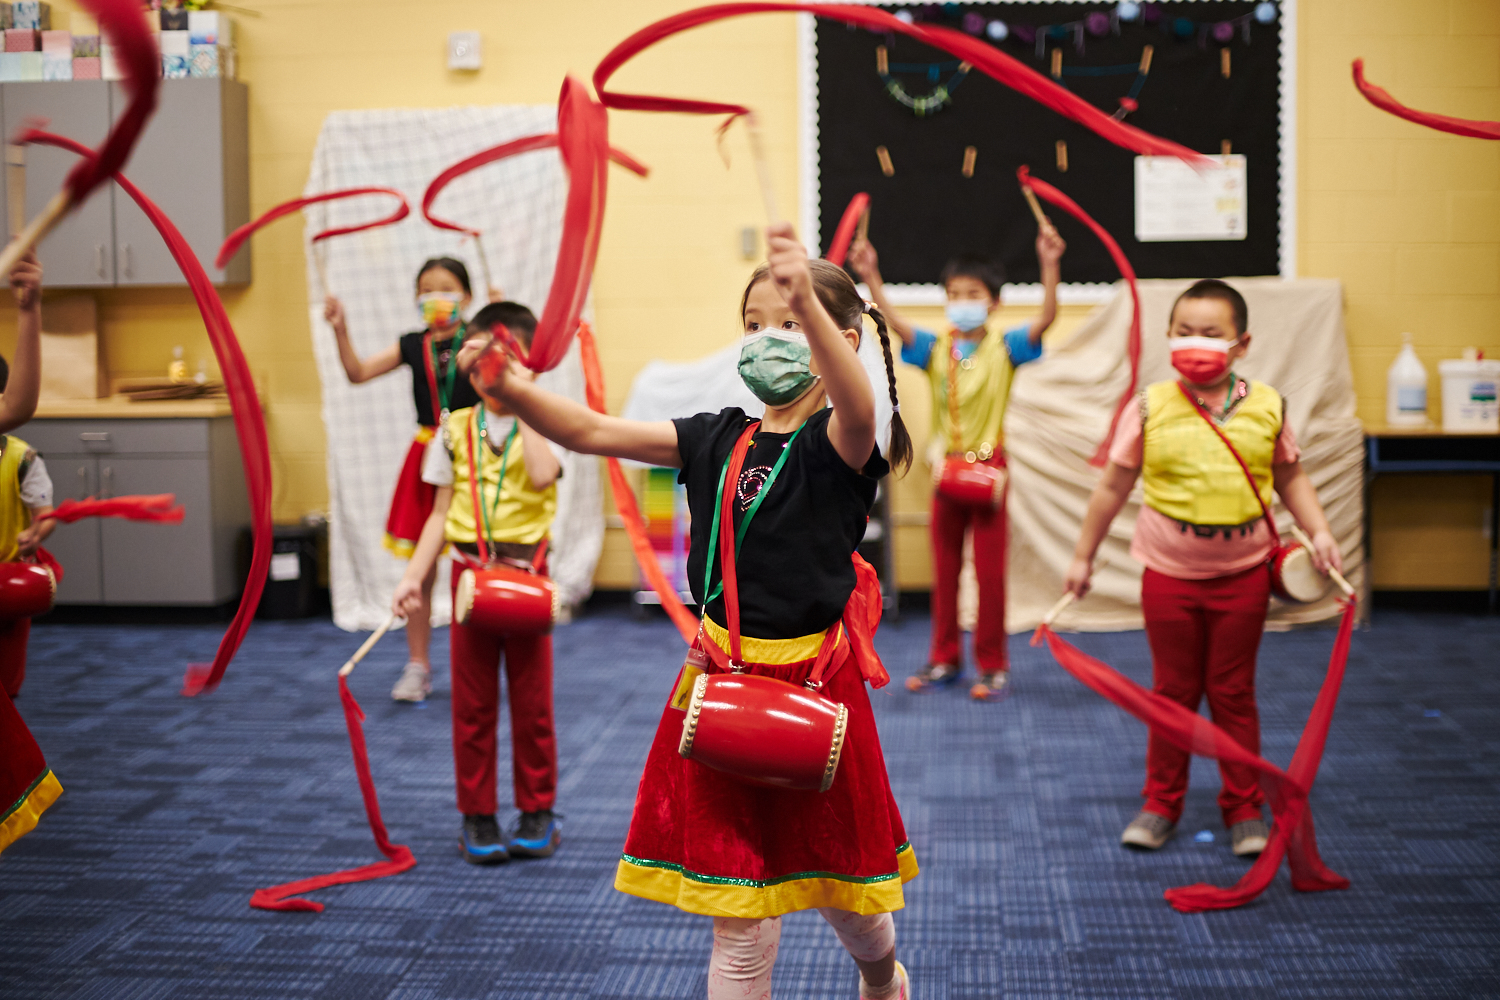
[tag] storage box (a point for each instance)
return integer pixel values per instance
(31, 14)
(174, 19)
(109, 66)
(31, 66)
(174, 67)
(7, 16)
(85, 46)
(72, 359)
(58, 41)
(204, 61)
(175, 43)
(10, 67)
(210, 27)
(57, 65)
(87, 68)
(22, 40)
(1469, 402)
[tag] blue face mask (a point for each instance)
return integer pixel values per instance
(967, 314)
(776, 366)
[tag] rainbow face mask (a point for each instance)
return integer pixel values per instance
(440, 308)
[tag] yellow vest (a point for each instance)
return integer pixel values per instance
(1187, 472)
(523, 514)
(983, 388)
(15, 516)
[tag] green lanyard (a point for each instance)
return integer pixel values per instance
(445, 392)
(739, 536)
(484, 439)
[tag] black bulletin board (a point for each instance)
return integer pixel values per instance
(928, 211)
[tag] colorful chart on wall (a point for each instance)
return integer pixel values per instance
(937, 146)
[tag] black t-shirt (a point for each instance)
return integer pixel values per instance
(794, 569)
(421, 394)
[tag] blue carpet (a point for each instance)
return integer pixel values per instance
(135, 886)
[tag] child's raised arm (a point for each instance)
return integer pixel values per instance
(851, 429)
(18, 402)
(1049, 251)
(865, 263)
(571, 424)
(356, 368)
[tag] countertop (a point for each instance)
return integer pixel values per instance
(118, 407)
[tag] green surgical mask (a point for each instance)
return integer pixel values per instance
(776, 366)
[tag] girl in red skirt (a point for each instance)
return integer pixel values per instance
(442, 296)
(701, 840)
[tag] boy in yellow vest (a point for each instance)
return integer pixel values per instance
(980, 359)
(1204, 544)
(511, 506)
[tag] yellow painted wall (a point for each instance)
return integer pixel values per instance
(1407, 218)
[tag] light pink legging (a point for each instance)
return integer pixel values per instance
(745, 950)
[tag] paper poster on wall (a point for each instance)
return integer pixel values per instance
(1175, 201)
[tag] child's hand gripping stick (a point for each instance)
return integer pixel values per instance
(1338, 577)
(369, 644)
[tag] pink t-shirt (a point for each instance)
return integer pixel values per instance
(1169, 548)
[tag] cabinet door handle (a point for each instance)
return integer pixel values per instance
(94, 436)
(99, 259)
(106, 486)
(128, 262)
(83, 482)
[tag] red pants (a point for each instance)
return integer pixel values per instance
(476, 657)
(1204, 635)
(949, 523)
(13, 636)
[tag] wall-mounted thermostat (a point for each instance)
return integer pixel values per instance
(463, 50)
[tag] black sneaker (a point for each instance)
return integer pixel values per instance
(481, 842)
(536, 835)
(934, 675)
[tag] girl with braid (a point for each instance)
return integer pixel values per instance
(701, 840)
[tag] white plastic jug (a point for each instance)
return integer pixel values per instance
(1406, 389)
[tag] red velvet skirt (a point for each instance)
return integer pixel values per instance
(707, 843)
(412, 503)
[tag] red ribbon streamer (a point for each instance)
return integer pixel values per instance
(235, 239)
(983, 57)
(514, 147)
(249, 421)
(161, 507)
(844, 234)
(124, 23)
(1133, 340)
(1292, 836)
(398, 856)
(625, 504)
(1382, 99)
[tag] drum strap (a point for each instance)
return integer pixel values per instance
(476, 486)
(1249, 476)
(954, 422)
(441, 400)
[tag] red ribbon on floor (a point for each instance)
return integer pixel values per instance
(982, 56)
(838, 248)
(1292, 836)
(235, 239)
(398, 856)
(1382, 99)
(1052, 195)
(249, 420)
(625, 503)
(525, 144)
(161, 507)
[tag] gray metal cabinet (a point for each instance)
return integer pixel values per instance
(192, 160)
(80, 252)
(109, 561)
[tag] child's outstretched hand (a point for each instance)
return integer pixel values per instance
(1049, 248)
(864, 261)
(333, 312)
(788, 261)
(26, 281)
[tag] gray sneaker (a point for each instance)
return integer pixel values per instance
(1148, 831)
(1249, 838)
(415, 683)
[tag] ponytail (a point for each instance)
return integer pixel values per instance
(901, 451)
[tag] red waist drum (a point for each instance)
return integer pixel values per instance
(506, 600)
(764, 731)
(1295, 578)
(971, 483)
(26, 590)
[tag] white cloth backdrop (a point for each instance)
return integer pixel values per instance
(1060, 406)
(517, 204)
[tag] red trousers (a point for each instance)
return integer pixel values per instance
(950, 521)
(1204, 635)
(476, 657)
(13, 636)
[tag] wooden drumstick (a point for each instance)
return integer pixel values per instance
(862, 231)
(762, 168)
(1338, 577)
(484, 265)
(1042, 222)
(359, 654)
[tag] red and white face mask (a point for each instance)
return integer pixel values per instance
(1201, 360)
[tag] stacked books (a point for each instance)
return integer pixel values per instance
(197, 43)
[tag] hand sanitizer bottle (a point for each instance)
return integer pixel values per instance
(1406, 389)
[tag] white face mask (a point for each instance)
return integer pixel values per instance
(967, 314)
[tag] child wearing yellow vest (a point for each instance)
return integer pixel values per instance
(515, 499)
(1204, 544)
(979, 359)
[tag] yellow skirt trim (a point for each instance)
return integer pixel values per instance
(24, 815)
(772, 652)
(716, 896)
(400, 547)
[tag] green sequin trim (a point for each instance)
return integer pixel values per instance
(764, 883)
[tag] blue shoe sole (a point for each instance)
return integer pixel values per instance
(542, 847)
(496, 855)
